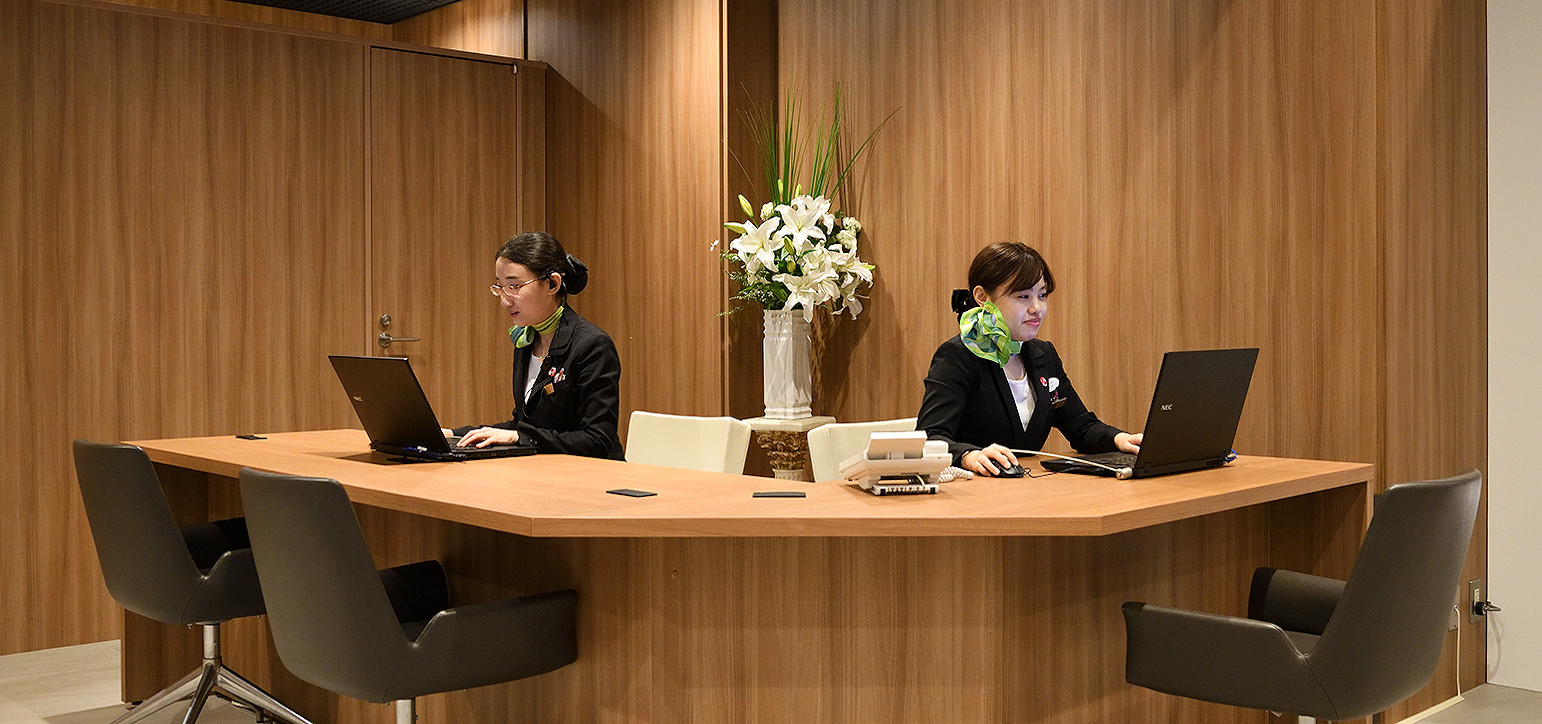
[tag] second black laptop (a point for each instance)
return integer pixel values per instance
(396, 415)
(1193, 420)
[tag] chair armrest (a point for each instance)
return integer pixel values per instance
(206, 542)
(417, 591)
(229, 590)
(1294, 601)
(489, 643)
(1224, 659)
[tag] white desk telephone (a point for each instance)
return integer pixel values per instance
(898, 462)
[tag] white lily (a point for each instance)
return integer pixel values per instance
(861, 271)
(757, 242)
(752, 265)
(817, 285)
(850, 301)
(803, 216)
(806, 249)
(846, 262)
(816, 263)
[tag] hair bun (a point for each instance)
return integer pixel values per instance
(963, 301)
(575, 281)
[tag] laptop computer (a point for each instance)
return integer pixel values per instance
(1193, 419)
(396, 414)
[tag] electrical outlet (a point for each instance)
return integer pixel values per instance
(1474, 598)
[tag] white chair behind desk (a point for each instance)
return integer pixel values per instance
(715, 444)
(829, 445)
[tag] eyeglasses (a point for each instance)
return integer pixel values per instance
(500, 290)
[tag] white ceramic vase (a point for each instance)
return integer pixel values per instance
(787, 376)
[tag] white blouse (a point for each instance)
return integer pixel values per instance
(531, 374)
(1023, 396)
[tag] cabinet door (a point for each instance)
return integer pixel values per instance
(455, 170)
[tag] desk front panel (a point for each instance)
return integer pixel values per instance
(920, 628)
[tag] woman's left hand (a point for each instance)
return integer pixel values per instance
(484, 436)
(1129, 443)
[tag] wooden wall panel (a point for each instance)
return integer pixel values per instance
(634, 185)
(1434, 197)
(749, 79)
(1302, 177)
(495, 27)
(448, 186)
(1197, 175)
(230, 10)
(182, 237)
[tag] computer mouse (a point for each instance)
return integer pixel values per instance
(1011, 471)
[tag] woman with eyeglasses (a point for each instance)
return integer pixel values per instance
(996, 386)
(567, 375)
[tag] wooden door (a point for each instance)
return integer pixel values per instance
(456, 169)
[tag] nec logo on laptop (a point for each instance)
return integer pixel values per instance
(1167, 407)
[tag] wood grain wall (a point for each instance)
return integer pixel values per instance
(633, 172)
(183, 238)
(231, 10)
(452, 176)
(1197, 175)
(496, 27)
(1302, 177)
(1433, 194)
(186, 234)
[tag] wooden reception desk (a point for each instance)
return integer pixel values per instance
(995, 600)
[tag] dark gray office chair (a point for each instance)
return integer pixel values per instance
(388, 635)
(198, 574)
(1316, 646)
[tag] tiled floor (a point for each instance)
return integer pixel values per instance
(1490, 704)
(79, 685)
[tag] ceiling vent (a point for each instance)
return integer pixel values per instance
(374, 11)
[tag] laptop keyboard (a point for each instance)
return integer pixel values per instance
(1112, 459)
(454, 443)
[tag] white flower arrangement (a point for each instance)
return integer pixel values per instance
(797, 258)
(802, 253)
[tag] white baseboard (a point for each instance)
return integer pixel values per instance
(1447, 704)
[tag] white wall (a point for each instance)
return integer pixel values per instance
(1515, 341)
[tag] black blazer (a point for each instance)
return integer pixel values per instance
(968, 404)
(575, 403)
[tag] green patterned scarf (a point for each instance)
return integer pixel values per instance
(523, 336)
(986, 335)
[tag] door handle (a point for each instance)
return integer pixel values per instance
(385, 339)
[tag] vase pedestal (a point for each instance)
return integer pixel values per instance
(786, 443)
